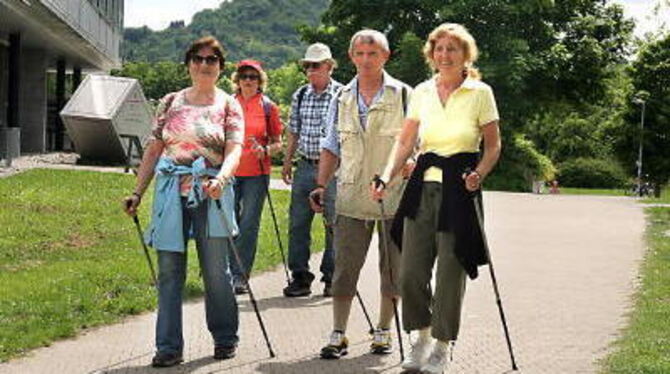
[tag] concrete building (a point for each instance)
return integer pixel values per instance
(41, 36)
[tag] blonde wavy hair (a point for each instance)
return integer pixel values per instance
(463, 36)
(262, 82)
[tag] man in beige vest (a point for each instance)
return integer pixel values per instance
(363, 121)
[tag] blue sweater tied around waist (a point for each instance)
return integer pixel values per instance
(165, 233)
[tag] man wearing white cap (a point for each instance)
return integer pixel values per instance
(306, 128)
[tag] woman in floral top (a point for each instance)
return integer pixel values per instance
(194, 151)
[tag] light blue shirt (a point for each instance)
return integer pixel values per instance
(331, 141)
(165, 233)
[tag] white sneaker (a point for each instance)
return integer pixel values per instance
(417, 354)
(381, 342)
(337, 346)
(439, 358)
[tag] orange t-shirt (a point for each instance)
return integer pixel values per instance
(256, 128)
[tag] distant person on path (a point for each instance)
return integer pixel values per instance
(363, 120)
(554, 189)
(451, 113)
(262, 133)
(306, 128)
(194, 150)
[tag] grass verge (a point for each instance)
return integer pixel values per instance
(592, 191)
(644, 347)
(664, 199)
(70, 259)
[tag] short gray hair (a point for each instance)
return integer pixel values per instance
(369, 36)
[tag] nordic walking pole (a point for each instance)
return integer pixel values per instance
(276, 226)
(365, 312)
(384, 241)
(246, 278)
(478, 211)
(146, 250)
(318, 202)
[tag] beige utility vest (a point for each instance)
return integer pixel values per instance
(365, 152)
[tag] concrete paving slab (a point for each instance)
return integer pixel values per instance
(566, 266)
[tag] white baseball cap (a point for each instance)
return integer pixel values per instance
(317, 52)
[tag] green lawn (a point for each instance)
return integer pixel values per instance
(592, 191)
(664, 199)
(275, 172)
(70, 259)
(644, 347)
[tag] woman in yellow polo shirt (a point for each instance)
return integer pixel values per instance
(451, 114)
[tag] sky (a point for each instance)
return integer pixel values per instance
(157, 14)
(643, 13)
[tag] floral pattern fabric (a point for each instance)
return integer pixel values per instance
(191, 131)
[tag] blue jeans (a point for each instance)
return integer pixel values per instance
(250, 195)
(220, 304)
(301, 216)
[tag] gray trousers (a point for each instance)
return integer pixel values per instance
(422, 244)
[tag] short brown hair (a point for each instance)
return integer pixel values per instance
(204, 42)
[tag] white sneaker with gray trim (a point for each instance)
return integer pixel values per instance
(418, 351)
(381, 342)
(439, 358)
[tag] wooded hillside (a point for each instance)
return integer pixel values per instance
(261, 29)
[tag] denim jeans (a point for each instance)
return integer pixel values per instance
(250, 195)
(220, 304)
(301, 216)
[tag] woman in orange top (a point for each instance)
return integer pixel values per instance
(262, 130)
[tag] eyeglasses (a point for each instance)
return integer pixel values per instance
(253, 77)
(209, 60)
(311, 65)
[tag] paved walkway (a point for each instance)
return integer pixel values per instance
(566, 266)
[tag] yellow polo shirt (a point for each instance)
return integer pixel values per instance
(456, 126)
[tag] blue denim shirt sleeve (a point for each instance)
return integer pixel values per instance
(165, 231)
(331, 141)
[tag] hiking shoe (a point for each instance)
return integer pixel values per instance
(165, 360)
(300, 285)
(439, 358)
(224, 352)
(337, 346)
(240, 286)
(381, 342)
(418, 352)
(328, 290)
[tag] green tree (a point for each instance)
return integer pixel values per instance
(283, 82)
(534, 53)
(161, 78)
(651, 74)
(408, 63)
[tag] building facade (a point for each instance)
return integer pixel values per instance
(42, 36)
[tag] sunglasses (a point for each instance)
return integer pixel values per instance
(209, 60)
(311, 65)
(253, 77)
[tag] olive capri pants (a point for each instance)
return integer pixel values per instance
(421, 245)
(352, 239)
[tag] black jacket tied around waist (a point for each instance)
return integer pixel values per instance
(457, 209)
